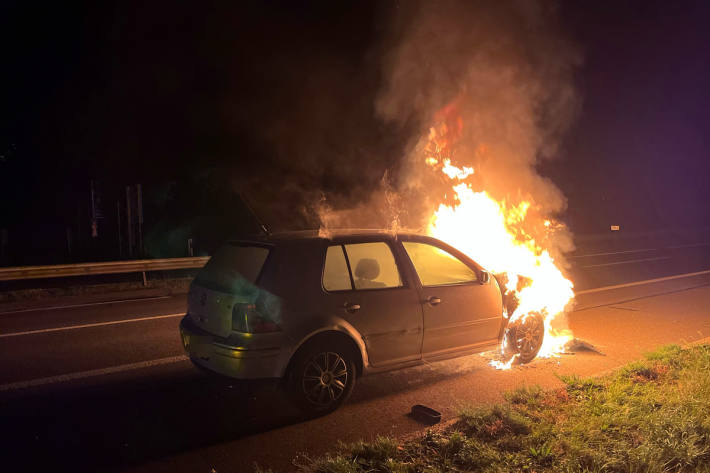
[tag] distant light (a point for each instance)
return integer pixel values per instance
(615, 228)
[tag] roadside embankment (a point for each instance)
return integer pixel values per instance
(649, 415)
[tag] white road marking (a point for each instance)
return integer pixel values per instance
(88, 304)
(91, 373)
(97, 324)
(626, 262)
(641, 283)
(614, 253)
(693, 245)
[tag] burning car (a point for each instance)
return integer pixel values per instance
(318, 311)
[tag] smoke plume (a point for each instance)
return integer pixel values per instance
(506, 71)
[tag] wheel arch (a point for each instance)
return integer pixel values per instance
(335, 335)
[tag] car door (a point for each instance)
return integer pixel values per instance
(365, 286)
(460, 311)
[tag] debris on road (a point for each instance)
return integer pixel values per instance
(577, 344)
(425, 414)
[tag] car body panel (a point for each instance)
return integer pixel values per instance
(465, 317)
(211, 310)
(389, 321)
(390, 329)
(236, 361)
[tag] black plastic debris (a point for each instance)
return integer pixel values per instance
(577, 344)
(425, 414)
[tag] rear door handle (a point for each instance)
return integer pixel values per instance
(433, 300)
(351, 308)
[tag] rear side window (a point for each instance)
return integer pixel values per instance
(437, 267)
(372, 266)
(233, 268)
(335, 273)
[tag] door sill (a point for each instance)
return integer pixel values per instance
(469, 350)
(392, 366)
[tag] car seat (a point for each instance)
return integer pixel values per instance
(366, 272)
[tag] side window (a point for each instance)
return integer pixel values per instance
(437, 267)
(335, 273)
(373, 265)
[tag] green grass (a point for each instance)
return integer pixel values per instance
(650, 416)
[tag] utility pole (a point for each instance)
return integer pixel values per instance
(139, 195)
(129, 222)
(68, 232)
(94, 224)
(118, 225)
(3, 245)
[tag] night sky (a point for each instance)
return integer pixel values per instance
(640, 150)
(200, 102)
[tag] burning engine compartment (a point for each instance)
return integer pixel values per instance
(497, 235)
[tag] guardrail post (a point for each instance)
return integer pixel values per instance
(145, 282)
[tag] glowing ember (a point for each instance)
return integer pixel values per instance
(490, 233)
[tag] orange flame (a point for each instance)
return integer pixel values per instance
(490, 232)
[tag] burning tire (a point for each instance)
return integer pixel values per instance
(524, 337)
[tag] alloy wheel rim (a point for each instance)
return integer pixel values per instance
(325, 378)
(528, 336)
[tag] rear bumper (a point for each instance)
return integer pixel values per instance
(213, 354)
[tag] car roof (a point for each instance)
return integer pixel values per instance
(328, 234)
(361, 234)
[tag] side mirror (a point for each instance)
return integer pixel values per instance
(485, 277)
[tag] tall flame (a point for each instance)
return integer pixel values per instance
(490, 232)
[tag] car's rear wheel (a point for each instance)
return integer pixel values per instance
(525, 337)
(322, 378)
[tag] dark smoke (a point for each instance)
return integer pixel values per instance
(348, 144)
(508, 70)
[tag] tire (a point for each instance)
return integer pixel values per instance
(524, 338)
(321, 378)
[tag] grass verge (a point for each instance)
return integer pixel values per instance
(650, 416)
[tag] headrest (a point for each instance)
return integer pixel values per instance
(367, 268)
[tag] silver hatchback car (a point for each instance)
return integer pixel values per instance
(319, 312)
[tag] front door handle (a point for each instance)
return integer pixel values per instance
(351, 308)
(433, 300)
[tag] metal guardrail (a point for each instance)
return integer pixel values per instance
(107, 267)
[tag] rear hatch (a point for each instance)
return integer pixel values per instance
(230, 276)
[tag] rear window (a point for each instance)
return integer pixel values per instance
(232, 266)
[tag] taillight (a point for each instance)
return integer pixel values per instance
(247, 319)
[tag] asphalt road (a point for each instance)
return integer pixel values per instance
(618, 264)
(106, 386)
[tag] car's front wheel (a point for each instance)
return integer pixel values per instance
(525, 337)
(321, 379)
